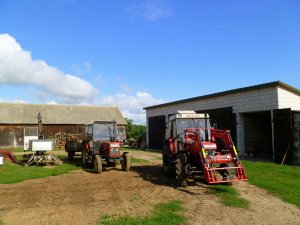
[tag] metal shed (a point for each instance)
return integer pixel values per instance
(264, 119)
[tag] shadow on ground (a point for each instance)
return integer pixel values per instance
(155, 175)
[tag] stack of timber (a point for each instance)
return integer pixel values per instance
(61, 138)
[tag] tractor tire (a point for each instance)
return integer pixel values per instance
(97, 164)
(71, 155)
(126, 162)
(168, 169)
(83, 157)
(180, 170)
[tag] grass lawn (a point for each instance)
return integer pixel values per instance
(13, 173)
(229, 196)
(280, 180)
(14, 149)
(163, 214)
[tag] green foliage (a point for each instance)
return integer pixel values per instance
(12, 173)
(1, 222)
(134, 131)
(163, 214)
(229, 196)
(280, 180)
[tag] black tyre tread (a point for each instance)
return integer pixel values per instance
(83, 157)
(180, 170)
(168, 168)
(71, 155)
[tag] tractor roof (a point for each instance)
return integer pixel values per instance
(189, 115)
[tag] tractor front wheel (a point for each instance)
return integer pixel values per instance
(125, 162)
(180, 170)
(97, 164)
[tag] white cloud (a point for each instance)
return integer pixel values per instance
(17, 100)
(18, 68)
(131, 105)
(151, 10)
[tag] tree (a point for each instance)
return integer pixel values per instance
(133, 130)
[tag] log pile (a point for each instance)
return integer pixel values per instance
(61, 138)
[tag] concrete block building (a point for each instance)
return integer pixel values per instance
(264, 119)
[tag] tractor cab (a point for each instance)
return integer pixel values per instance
(178, 123)
(101, 131)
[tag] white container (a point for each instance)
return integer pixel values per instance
(1, 160)
(41, 145)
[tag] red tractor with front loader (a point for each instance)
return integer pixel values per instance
(193, 147)
(100, 145)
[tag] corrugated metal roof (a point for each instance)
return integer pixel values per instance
(233, 91)
(20, 113)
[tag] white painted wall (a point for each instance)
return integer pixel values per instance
(248, 101)
(288, 99)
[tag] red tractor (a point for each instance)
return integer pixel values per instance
(100, 145)
(193, 147)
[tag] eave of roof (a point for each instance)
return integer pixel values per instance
(229, 92)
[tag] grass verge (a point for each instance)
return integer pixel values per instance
(13, 173)
(280, 180)
(163, 214)
(138, 160)
(229, 196)
(128, 148)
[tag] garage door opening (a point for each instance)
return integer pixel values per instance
(156, 130)
(258, 135)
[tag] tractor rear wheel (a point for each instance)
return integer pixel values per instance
(71, 155)
(97, 164)
(125, 162)
(83, 157)
(180, 170)
(168, 169)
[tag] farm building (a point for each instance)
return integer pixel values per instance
(14, 117)
(264, 119)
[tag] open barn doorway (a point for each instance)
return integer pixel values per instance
(156, 131)
(258, 135)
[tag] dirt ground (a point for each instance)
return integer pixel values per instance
(83, 197)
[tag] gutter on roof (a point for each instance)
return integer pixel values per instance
(233, 91)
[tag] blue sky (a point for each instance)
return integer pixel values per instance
(136, 53)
